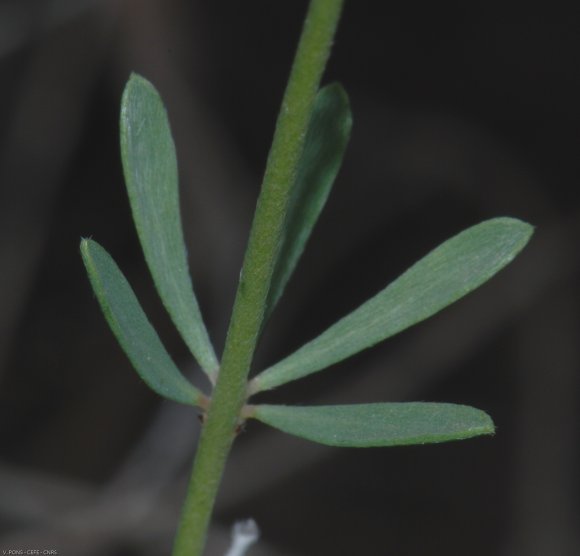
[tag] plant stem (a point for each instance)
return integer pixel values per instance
(248, 313)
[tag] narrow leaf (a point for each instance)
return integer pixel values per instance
(378, 424)
(132, 329)
(326, 141)
(150, 169)
(449, 272)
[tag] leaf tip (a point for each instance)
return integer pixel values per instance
(482, 423)
(487, 426)
(137, 80)
(523, 229)
(136, 88)
(335, 97)
(89, 247)
(335, 89)
(85, 247)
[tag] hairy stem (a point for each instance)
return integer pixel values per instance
(248, 313)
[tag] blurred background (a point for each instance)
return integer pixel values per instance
(462, 112)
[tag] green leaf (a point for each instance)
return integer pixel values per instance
(378, 424)
(326, 141)
(449, 272)
(132, 329)
(150, 168)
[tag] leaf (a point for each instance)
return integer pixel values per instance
(324, 147)
(377, 424)
(132, 329)
(150, 169)
(455, 268)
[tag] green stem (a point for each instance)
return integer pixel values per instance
(230, 391)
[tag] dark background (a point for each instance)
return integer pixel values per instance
(462, 112)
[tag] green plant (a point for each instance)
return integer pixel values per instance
(311, 136)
